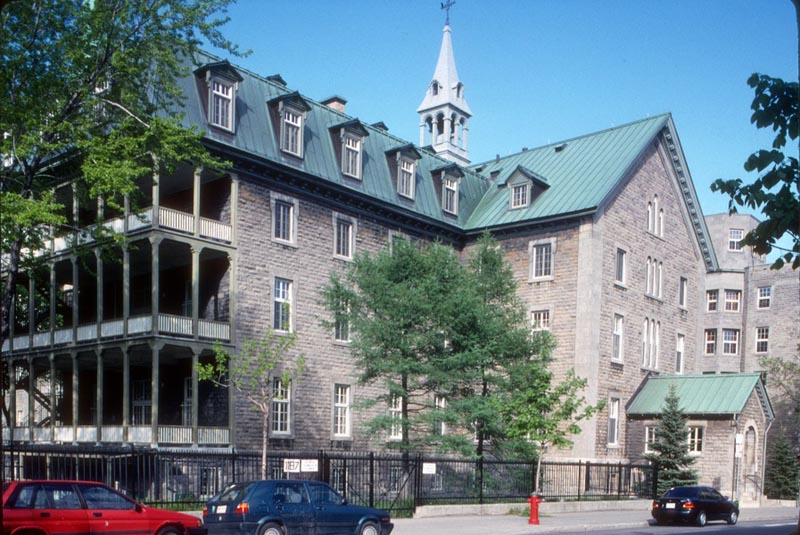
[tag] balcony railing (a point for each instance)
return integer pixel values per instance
(168, 324)
(114, 434)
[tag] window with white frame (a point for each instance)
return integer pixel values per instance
(649, 438)
(341, 410)
(618, 337)
(621, 266)
(680, 344)
(655, 217)
(712, 296)
(710, 342)
(450, 195)
(282, 305)
(343, 237)
(439, 425)
(730, 341)
(406, 170)
(396, 415)
(655, 272)
(695, 439)
(683, 291)
(650, 343)
(519, 195)
(735, 236)
(613, 421)
(762, 339)
(284, 219)
(280, 415)
(764, 297)
(341, 324)
(292, 131)
(540, 320)
(222, 99)
(351, 155)
(541, 254)
(733, 299)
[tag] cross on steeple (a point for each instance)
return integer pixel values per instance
(446, 6)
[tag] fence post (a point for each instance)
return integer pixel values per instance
(372, 479)
(580, 465)
(480, 480)
(417, 477)
(619, 479)
(655, 481)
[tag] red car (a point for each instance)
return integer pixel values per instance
(85, 507)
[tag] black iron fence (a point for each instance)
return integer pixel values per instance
(400, 483)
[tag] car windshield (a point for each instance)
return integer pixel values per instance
(235, 493)
(681, 492)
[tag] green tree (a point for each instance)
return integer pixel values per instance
(262, 371)
(489, 338)
(90, 93)
(537, 411)
(399, 307)
(670, 449)
(782, 472)
(776, 191)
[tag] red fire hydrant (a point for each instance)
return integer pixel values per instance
(534, 500)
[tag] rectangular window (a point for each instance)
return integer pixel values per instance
(450, 195)
(343, 246)
(711, 342)
(542, 260)
(730, 341)
(621, 266)
(762, 339)
(735, 236)
(712, 296)
(341, 326)
(540, 320)
(282, 221)
(695, 439)
(651, 333)
(613, 421)
(405, 178)
(292, 140)
(341, 411)
(683, 292)
(222, 104)
(282, 309)
(616, 349)
(732, 300)
(396, 414)
(519, 196)
(764, 296)
(351, 163)
(280, 415)
(680, 344)
(649, 438)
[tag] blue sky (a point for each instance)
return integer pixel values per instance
(538, 71)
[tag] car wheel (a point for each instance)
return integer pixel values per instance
(369, 528)
(271, 528)
(170, 531)
(733, 518)
(701, 519)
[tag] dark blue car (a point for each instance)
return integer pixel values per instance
(288, 507)
(695, 504)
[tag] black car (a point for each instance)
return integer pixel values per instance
(287, 507)
(694, 504)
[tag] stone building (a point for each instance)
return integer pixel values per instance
(604, 232)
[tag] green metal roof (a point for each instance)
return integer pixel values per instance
(581, 173)
(700, 394)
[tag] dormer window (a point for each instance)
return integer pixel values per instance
(218, 83)
(519, 195)
(351, 136)
(292, 131)
(351, 156)
(222, 95)
(405, 177)
(450, 195)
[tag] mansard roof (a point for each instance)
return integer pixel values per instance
(581, 174)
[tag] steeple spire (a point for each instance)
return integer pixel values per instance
(444, 113)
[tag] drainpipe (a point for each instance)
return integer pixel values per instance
(763, 467)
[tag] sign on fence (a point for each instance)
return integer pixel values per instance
(429, 468)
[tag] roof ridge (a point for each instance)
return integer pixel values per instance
(559, 142)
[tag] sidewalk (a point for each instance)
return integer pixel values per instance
(560, 522)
